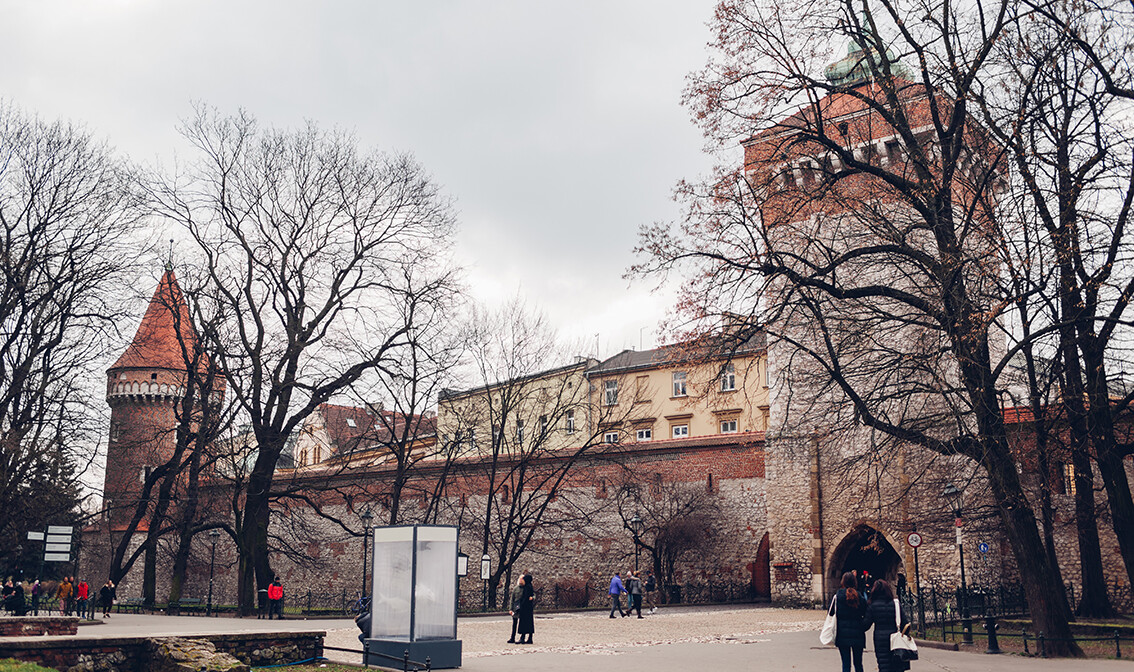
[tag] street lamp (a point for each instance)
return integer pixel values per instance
(367, 517)
(214, 534)
(956, 498)
(636, 526)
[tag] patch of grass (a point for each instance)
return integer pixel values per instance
(12, 665)
(306, 667)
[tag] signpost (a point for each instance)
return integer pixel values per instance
(56, 544)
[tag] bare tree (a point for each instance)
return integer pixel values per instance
(320, 261)
(69, 224)
(863, 229)
(527, 430)
(678, 519)
(1066, 127)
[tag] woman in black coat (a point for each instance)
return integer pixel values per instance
(880, 614)
(527, 610)
(850, 637)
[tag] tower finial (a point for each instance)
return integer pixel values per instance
(169, 262)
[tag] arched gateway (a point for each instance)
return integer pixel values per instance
(864, 548)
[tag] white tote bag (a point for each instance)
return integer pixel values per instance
(827, 634)
(902, 647)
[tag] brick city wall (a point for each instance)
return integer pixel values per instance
(25, 626)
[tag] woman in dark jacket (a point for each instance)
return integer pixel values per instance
(515, 608)
(880, 614)
(850, 637)
(526, 612)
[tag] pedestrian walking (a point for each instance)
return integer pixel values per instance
(106, 596)
(849, 609)
(275, 599)
(36, 591)
(63, 596)
(651, 587)
(515, 606)
(883, 613)
(18, 603)
(526, 620)
(616, 591)
(82, 594)
(634, 593)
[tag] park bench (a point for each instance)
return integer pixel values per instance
(187, 603)
(135, 604)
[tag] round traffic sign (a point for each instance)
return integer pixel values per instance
(983, 547)
(914, 540)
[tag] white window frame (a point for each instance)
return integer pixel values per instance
(645, 434)
(610, 437)
(679, 387)
(543, 424)
(570, 422)
(610, 392)
(729, 426)
(680, 431)
(728, 378)
(519, 431)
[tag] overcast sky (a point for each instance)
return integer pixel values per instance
(556, 126)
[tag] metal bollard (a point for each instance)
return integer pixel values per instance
(1024, 634)
(1039, 645)
(990, 626)
(428, 663)
(1117, 645)
(405, 661)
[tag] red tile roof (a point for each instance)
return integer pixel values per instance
(166, 322)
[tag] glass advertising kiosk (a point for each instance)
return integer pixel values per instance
(414, 596)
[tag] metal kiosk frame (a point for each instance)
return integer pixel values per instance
(414, 596)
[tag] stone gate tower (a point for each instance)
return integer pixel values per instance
(143, 388)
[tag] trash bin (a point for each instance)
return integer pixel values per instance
(262, 601)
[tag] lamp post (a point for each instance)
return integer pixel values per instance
(367, 517)
(956, 498)
(636, 528)
(214, 534)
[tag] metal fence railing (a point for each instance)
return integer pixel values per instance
(581, 595)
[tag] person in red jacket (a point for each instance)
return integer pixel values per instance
(275, 598)
(82, 595)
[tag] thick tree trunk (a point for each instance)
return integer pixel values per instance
(149, 573)
(1094, 602)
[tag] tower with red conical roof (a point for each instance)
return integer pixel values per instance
(143, 389)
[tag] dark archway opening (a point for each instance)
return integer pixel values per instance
(865, 549)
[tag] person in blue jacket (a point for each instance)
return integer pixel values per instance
(616, 591)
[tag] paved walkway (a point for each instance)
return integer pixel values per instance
(687, 639)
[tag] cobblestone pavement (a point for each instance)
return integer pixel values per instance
(688, 639)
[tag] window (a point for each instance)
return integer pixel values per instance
(645, 434)
(542, 425)
(728, 378)
(472, 438)
(570, 422)
(728, 426)
(680, 431)
(350, 422)
(611, 389)
(610, 437)
(1069, 478)
(679, 384)
(520, 431)
(153, 376)
(115, 431)
(642, 389)
(318, 455)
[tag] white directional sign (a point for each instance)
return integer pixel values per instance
(58, 548)
(60, 529)
(59, 539)
(35, 536)
(56, 557)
